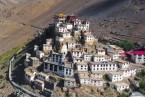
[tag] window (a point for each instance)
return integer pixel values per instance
(60, 68)
(51, 67)
(55, 68)
(45, 66)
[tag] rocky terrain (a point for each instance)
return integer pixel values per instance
(125, 17)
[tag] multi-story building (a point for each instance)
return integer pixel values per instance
(97, 75)
(115, 76)
(81, 25)
(42, 76)
(39, 54)
(34, 61)
(64, 69)
(128, 72)
(122, 63)
(77, 53)
(56, 57)
(103, 66)
(66, 35)
(100, 51)
(82, 66)
(138, 56)
(61, 29)
(120, 86)
(86, 79)
(78, 59)
(89, 38)
(30, 73)
(101, 58)
(39, 84)
(70, 43)
(114, 51)
(87, 57)
(70, 82)
(47, 48)
(61, 18)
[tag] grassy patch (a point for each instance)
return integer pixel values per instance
(4, 58)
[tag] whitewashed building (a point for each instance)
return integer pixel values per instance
(123, 64)
(85, 79)
(36, 48)
(97, 82)
(66, 35)
(97, 75)
(56, 57)
(34, 61)
(47, 47)
(71, 44)
(115, 76)
(77, 53)
(69, 26)
(129, 72)
(114, 55)
(138, 56)
(61, 29)
(82, 66)
(78, 59)
(39, 84)
(87, 57)
(64, 69)
(121, 86)
(81, 25)
(103, 66)
(114, 51)
(64, 49)
(39, 54)
(42, 76)
(30, 73)
(100, 51)
(101, 58)
(89, 38)
(49, 41)
(70, 82)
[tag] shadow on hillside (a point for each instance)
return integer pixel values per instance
(100, 7)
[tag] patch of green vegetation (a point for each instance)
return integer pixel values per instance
(126, 45)
(4, 58)
(122, 95)
(142, 86)
(141, 74)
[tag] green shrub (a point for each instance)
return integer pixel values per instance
(142, 85)
(126, 45)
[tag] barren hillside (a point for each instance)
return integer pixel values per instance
(119, 16)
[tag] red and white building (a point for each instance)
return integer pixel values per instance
(138, 56)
